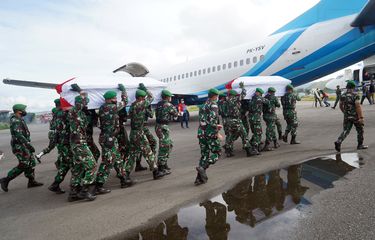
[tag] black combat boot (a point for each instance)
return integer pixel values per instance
(202, 174)
(139, 167)
(198, 181)
(102, 190)
(32, 183)
(280, 135)
(87, 192)
(276, 144)
(73, 194)
(228, 153)
(164, 170)
(126, 181)
(254, 151)
(294, 141)
(267, 147)
(55, 187)
(248, 152)
(4, 183)
(285, 137)
(338, 146)
(157, 174)
(361, 146)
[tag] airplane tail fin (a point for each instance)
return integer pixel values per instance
(323, 11)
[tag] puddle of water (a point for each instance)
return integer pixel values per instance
(260, 207)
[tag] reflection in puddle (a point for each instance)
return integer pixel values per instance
(260, 207)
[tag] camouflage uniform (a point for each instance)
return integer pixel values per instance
(235, 126)
(223, 113)
(122, 137)
(270, 117)
(92, 120)
(279, 127)
(255, 113)
(289, 101)
(65, 156)
(208, 134)
(51, 134)
(109, 125)
(164, 112)
(84, 165)
(244, 114)
(349, 100)
(139, 143)
(22, 148)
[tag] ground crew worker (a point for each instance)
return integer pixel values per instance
(338, 96)
(289, 101)
(255, 113)
(22, 148)
(165, 111)
(65, 156)
(352, 110)
(138, 140)
(84, 165)
(208, 135)
(110, 127)
(269, 116)
(235, 127)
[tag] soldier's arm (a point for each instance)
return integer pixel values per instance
(243, 93)
(358, 109)
(212, 117)
(172, 110)
(277, 103)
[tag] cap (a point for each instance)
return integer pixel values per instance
(110, 95)
(259, 90)
(350, 84)
(213, 91)
(233, 92)
(166, 93)
(140, 93)
(19, 107)
(289, 86)
(271, 89)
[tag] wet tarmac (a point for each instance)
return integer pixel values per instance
(259, 207)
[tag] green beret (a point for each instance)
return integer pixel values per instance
(213, 91)
(350, 84)
(140, 93)
(289, 86)
(233, 92)
(54, 110)
(110, 95)
(78, 99)
(259, 90)
(57, 101)
(166, 93)
(223, 94)
(271, 89)
(19, 107)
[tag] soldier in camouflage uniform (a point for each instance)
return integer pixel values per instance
(138, 140)
(235, 125)
(110, 127)
(22, 148)
(65, 156)
(352, 110)
(270, 117)
(208, 135)
(52, 135)
(84, 165)
(255, 113)
(223, 111)
(92, 120)
(289, 101)
(165, 111)
(279, 127)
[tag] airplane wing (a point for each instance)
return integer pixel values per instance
(366, 17)
(33, 84)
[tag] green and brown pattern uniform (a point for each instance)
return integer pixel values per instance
(255, 115)
(349, 100)
(289, 101)
(270, 117)
(139, 143)
(208, 134)
(22, 148)
(165, 111)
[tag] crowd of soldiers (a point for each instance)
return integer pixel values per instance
(71, 132)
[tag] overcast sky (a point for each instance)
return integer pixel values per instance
(54, 40)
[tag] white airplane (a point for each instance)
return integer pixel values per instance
(332, 35)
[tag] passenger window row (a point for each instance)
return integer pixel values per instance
(213, 69)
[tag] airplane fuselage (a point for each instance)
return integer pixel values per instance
(301, 55)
